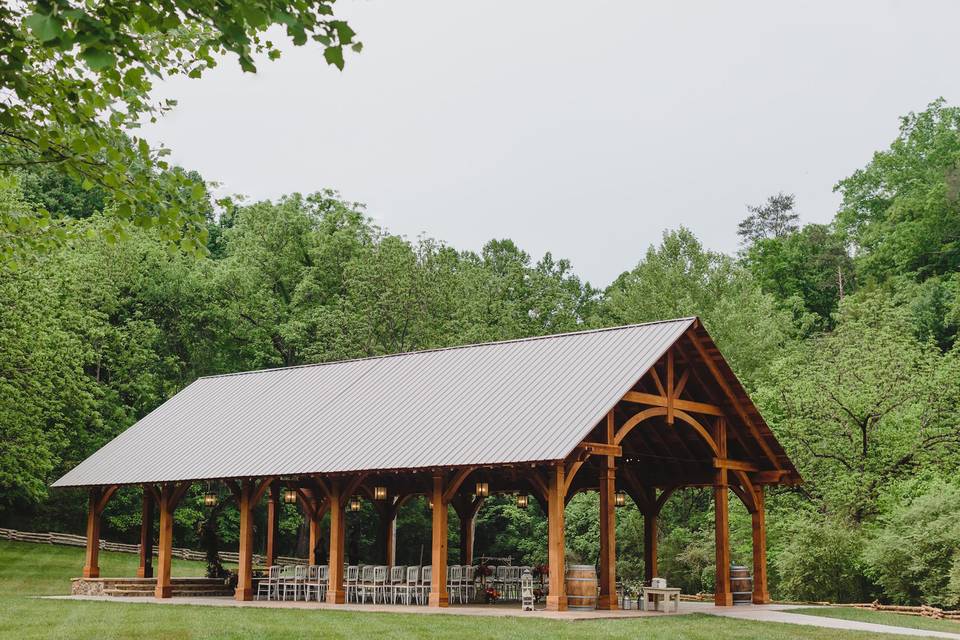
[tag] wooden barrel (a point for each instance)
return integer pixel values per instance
(581, 586)
(741, 584)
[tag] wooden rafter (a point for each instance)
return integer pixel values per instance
(653, 400)
(732, 397)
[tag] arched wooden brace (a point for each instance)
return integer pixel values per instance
(98, 499)
(315, 502)
(467, 511)
(653, 412)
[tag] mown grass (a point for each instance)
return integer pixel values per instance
(883, 617)
(28, 570)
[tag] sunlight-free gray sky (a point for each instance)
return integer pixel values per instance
(585, 128)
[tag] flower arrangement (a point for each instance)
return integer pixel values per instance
(485, 570)
(541, 570)
(491, 595)
(537, 595)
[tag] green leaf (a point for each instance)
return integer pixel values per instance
(98, 59)
(334, 56)
(45, 27)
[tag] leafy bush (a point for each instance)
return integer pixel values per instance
(917, 547)
(821, 560)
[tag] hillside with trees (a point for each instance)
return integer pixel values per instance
(845, 334)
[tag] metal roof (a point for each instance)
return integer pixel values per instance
(528, 400)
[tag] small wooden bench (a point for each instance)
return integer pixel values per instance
(658, 596)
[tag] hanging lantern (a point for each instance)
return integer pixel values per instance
(430, 504)
(620, 498)
(210, 498)
(290, 495)
(522, 501)
(483, 490)
(379, 493)
(354, 504)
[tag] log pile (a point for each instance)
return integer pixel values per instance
(66, 539)
(923, 610)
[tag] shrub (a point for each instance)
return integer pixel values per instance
(916, 548)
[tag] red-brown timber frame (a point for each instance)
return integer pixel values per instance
(662, 398)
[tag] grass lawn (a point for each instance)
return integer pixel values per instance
(883, 617)
(32, 569)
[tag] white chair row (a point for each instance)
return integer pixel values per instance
(292, 582)
(506, 580)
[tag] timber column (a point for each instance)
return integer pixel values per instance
(438, 575)
(608, 526)
(650, 568)
(556, 493)
(335, 592)
(722, 596)
(145, 570)
(760, 593)
(273, 524)
(165, 543)
(97, 502)
(244, 590)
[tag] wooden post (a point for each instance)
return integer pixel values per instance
(388, 532)
(314, 517)
(335, 592)
(556, 494)
(650, 568)
(91, 564)
(165, 543)
(608, 526)
(145, 570)
(467, 511)
(244, 590)
(722, 596)
(438, 583)
(273, 524)
(760, 593)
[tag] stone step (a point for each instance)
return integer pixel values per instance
(176, 593)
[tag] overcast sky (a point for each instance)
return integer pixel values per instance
(584, 129)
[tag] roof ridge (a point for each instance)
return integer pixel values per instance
(452, 347)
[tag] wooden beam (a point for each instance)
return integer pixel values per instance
(732, 398)
(770, 477)
(273, 524)
(681, 383)
(164, 587)
(570, 472)
(600, 449)
(656, 380)
(653, 400)
(607, 599)
(248, 492)
(91, 563)
(459, 476)
(722, 596)
(438, 583)
(759, 525)
(335, 592)
(145, 570)
(734, 465)
(650, 517)
(557, 487)
(670, 398)
(351, 487)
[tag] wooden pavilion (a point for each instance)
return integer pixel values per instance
(643, 410)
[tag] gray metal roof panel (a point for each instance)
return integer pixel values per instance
(523, 400)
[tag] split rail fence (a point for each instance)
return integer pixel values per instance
(70, 540)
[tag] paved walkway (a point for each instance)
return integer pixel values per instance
(781, 613)
(760, 613)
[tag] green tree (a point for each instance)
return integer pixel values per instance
(774, 218)
(680, 278)
(902, 210)
(75, 75)
(864, 405)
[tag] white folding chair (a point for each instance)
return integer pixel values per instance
(270, 584)
(413, 585)
(426, 581)
(366, 584)
(397, 584)
(353, 584)
(297, 582)
(468, 583)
